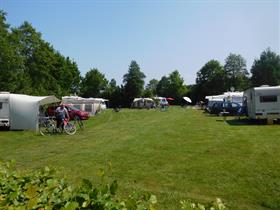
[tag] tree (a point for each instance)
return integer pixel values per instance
(176, 88)
(151, 88)
(30, 65)
(11, 63)
(172, 86)
(45, 70)
(109, 90)
(236, 72)
(210, 80)
(162, 87)
(93, 84)
(117, 97)
(133, 83)
(266, 70)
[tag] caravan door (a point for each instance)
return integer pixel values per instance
(4, 112)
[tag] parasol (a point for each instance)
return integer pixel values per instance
(187, 99)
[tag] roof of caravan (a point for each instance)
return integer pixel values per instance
(159, 98)
(99, 99)
(144, 99)
(226, 94)
(42, 100)
(233, 94)
(80, 99)
(267, 88)
(214, 97)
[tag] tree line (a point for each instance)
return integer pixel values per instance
(30, 65)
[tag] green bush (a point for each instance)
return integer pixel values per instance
(43, 190)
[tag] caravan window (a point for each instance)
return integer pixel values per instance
(264, 99)
(1, 105)
(78, 106)
(88, 107)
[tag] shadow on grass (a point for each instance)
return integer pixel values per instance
(245, 121)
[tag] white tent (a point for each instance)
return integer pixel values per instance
(142, 103)
(23, 110)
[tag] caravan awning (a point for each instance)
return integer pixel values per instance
(48, 100)
(24, 110)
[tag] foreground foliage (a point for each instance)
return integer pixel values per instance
(43, 190)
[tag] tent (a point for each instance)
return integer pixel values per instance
(143, 103)
(23, 111)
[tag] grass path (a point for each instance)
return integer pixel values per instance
(178, 154)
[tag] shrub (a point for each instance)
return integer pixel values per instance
(43, 190)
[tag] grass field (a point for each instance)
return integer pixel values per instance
(177, 154)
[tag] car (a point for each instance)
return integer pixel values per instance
(231, 107)
(73, 112)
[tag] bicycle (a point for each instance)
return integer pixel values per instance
(78, 122)
(69, 127)
(47, 126)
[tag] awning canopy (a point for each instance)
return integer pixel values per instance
(24, 110)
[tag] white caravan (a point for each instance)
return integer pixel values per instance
(22, 112)
(90, 105)
(4, 110)
(235, 97)
(263, 102)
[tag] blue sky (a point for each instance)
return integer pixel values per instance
(160, 35)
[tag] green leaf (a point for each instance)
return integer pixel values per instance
(87, 184)
(153, 199)
(114, 187)
(71, 206)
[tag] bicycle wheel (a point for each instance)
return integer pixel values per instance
(79, 122)
(70, 128)
(46, 129)
(43, 130)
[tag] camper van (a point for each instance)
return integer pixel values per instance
(4, 110)
(263, 102)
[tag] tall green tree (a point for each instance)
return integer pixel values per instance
(11, 63)
(46, 71)
(210, 80)
(94, 84)
(117, 98)
(133, 83)
(172, 86)
(163, 87)
(177, 89)
(151, 88)
(236, 72)
(266, 70)
(109, 89)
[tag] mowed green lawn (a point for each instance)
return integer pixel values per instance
(177, 154)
